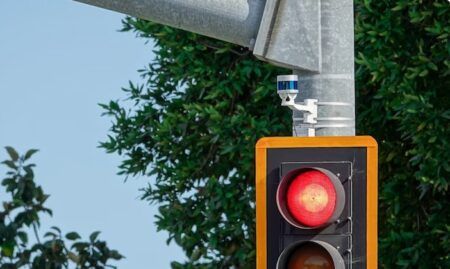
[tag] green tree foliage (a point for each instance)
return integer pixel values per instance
(403, 85)
(194, 122)
(194, 125)
(20, 217)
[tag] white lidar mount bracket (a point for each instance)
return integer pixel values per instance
(287, 89)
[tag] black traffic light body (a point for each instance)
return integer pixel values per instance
(348, 237)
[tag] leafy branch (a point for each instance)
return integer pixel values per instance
(21, 213)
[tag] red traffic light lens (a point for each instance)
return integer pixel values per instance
(310, 256)
(311, 198)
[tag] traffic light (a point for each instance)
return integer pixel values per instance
(316, 202)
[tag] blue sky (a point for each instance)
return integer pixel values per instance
(58, 60)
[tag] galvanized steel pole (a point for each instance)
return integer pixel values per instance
(312, 37)
(234, 21)
(334, 85)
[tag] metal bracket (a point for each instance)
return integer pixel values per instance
(290, 34)
(309, 109)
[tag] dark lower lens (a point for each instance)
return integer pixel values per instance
(310, 256)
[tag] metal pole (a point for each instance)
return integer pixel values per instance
(235, 21)
(313, 37)
(334, 85)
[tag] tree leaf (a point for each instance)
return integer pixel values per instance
(12, 153)
(94, 236)
(30, 153)
(73, 236)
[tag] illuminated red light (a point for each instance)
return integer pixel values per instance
(311, 198)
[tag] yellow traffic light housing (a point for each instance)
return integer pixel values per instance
(316, 202)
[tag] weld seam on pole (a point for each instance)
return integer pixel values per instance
(328, 76)
(328, 119)
(334, 104)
